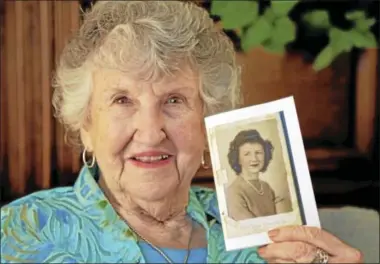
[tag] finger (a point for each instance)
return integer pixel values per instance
(351, 256)
(297, 252)
(312, 235)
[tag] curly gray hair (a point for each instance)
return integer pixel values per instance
(148, 39)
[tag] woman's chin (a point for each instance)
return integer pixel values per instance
(254, 170)
(154, 192)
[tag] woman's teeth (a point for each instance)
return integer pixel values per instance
(151, 158)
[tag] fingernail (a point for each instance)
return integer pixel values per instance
(273, 233)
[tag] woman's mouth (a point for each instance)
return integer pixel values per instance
(151, 161)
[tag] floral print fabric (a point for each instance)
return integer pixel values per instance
(78, 225)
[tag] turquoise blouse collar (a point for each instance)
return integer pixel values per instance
(93, 199)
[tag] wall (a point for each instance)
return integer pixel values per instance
(32, 143)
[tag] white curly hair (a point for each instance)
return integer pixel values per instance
(148, 39)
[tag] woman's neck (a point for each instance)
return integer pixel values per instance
(163, 222)
(250, 176)
(157, 217)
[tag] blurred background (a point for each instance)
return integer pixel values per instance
(322, 52)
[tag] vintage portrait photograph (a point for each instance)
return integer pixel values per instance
(261, 173)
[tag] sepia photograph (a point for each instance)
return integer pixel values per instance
(260, 171)
(250, 193)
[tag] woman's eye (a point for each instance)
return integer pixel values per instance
(174, 100)
(121, 100)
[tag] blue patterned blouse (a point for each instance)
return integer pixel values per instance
(196, 255)
(78, 225)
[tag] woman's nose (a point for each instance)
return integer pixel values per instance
(149, 127)
(254, 158)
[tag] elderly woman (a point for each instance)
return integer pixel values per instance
(248, 196)
(133, 87)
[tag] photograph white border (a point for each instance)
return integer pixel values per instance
(300, 168)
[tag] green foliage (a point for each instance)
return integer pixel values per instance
(341, 41)
(355, 15)
(324, 58)
(235, 14)
(273, 29)
(284, 30)
(256, 34)
(282, 8)
(345, 40)
(318, 19)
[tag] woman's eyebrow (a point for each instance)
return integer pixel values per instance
(181, 89)
(115, 90)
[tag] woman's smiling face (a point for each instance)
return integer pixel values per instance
(251, 157)
(147, 137)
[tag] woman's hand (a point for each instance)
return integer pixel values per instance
(299, 244)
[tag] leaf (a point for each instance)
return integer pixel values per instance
(218, 7)
(364, 24)
(340, 40)
(256, 34)
(363, 39)
(235, 14)
(284, 31)
(282, 8)
(355, 15)
(324, 58)
(269, 15)
(274, 47)
(317, 19)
